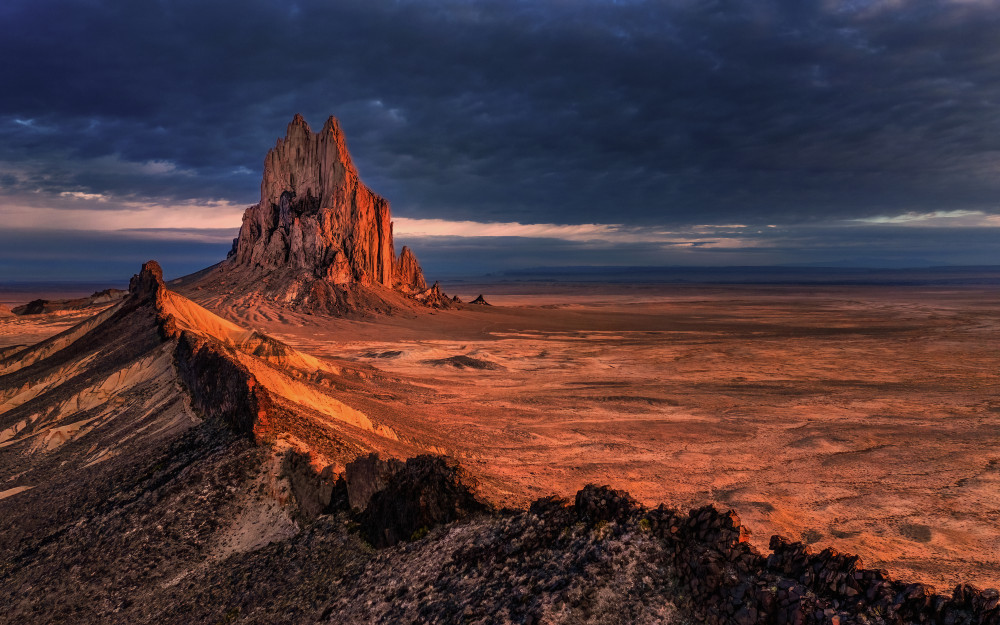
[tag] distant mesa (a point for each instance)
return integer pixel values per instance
(319, 240)
(480, 301)
(44, 306)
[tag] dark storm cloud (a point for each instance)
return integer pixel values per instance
(564, 112)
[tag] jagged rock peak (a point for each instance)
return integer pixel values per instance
(148, 281)
(409, 276)
(316, 216)
(319, 240)
(307, 163)
(480, 301)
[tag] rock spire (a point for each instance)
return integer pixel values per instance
(315, 214)
(319, 238)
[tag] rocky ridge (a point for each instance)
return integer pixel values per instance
(42, 306)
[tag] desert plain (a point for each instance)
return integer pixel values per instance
(862, 418)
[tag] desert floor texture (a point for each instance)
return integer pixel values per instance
(859, 418)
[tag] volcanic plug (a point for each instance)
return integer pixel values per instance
(319, 240)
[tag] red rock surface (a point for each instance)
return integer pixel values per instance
(319, 240)
(408, 272)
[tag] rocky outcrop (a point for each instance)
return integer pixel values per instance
(148, 283)
(34, 307)
(5, 311)
(409, 276)
(366, 476)
(315, 214)
(221, 388)
(319, 239)
(315, 493)
(480, 301)
(107, 296)
(433, 297)
(427, 491)
(44, 306)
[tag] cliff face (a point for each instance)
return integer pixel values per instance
(315, 214)
(318, 233)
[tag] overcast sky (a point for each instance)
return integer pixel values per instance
(509, 134)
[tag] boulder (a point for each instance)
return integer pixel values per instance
(428, 491)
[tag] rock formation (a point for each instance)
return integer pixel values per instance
(408, 274)
(481, 301)
(44, 306)
(319, 239)
(5, 311)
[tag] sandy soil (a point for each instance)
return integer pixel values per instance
(862, 418)
(30, 329)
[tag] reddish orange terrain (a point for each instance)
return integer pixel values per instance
(859, 418)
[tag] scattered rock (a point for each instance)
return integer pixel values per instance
(392, 353)
(466, 362)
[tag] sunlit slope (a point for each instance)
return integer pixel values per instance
(152, 366)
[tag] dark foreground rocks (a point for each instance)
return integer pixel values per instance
(428, 491)
(425, 550)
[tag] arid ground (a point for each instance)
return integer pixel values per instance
(860, 418)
